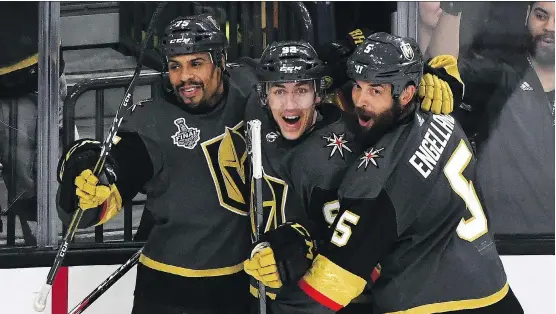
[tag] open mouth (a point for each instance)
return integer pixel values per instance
(291, 120)
(364, 119)
(545, 40)
(190, 90)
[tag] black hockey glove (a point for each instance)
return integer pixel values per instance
(78, 185)
(282, 256)
(335, 54)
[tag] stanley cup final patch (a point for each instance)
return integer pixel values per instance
(185, 137)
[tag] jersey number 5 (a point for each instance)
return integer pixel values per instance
(343, 231)
(476, 226)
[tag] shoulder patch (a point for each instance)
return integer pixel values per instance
(185, 137)
(370, 156)
(337, 143)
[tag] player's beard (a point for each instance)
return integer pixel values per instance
(541, 52)
(383, 122)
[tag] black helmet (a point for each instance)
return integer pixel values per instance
(290, 61)
(387, 59)
(197, 33)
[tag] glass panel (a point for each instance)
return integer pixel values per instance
(18, 125)
(505, 56)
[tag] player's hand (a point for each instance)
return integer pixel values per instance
(91, 194)
(441, 86)
(78, 185)
(262, 266)
(282, 256)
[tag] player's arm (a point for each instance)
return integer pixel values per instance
(480, 74)
(364, 231)
(127, 168)
(445, 39)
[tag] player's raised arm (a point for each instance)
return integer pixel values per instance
(128, 167)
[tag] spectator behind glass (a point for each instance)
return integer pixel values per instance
(510, 108)
(18, 86)
(429, 13)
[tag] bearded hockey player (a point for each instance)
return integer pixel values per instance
(186, 150)
(409, 203)
(307, 146)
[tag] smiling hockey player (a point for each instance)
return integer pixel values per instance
(186, 150)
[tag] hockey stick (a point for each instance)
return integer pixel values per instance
(254, 147)
(105, 285)
(40, 299)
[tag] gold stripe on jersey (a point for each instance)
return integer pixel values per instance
(334, 282)
(459, 305)
(255, 293)
(20, 65)
(186, 272)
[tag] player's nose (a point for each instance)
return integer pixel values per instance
(186, 75)
(362, 101)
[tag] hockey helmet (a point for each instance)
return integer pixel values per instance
(192, 34)
(289, 61)
(387, 59)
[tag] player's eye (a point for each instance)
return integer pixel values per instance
(279, 92)
(173, 66)
(302, 91)
(541, 16)
(196, 63)
(376, 91)
(356, 86)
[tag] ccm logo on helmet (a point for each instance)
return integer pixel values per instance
(289, 69)
(182, 40)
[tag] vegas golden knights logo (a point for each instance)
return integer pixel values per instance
(275, 193)
(226, 155)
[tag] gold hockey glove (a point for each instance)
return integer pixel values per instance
(262, 267)
(441, 86)
(282, 256)
(93, 195)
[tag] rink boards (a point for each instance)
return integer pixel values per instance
(531, 278)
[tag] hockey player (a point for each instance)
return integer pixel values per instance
(302, 169)
(186, 150)
(307, 146)
(406, 203)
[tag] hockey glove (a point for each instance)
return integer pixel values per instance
(78, 185)
(282, 256)
(335, 54)
(441, 86)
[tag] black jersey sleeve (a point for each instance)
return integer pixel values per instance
(364, 230)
